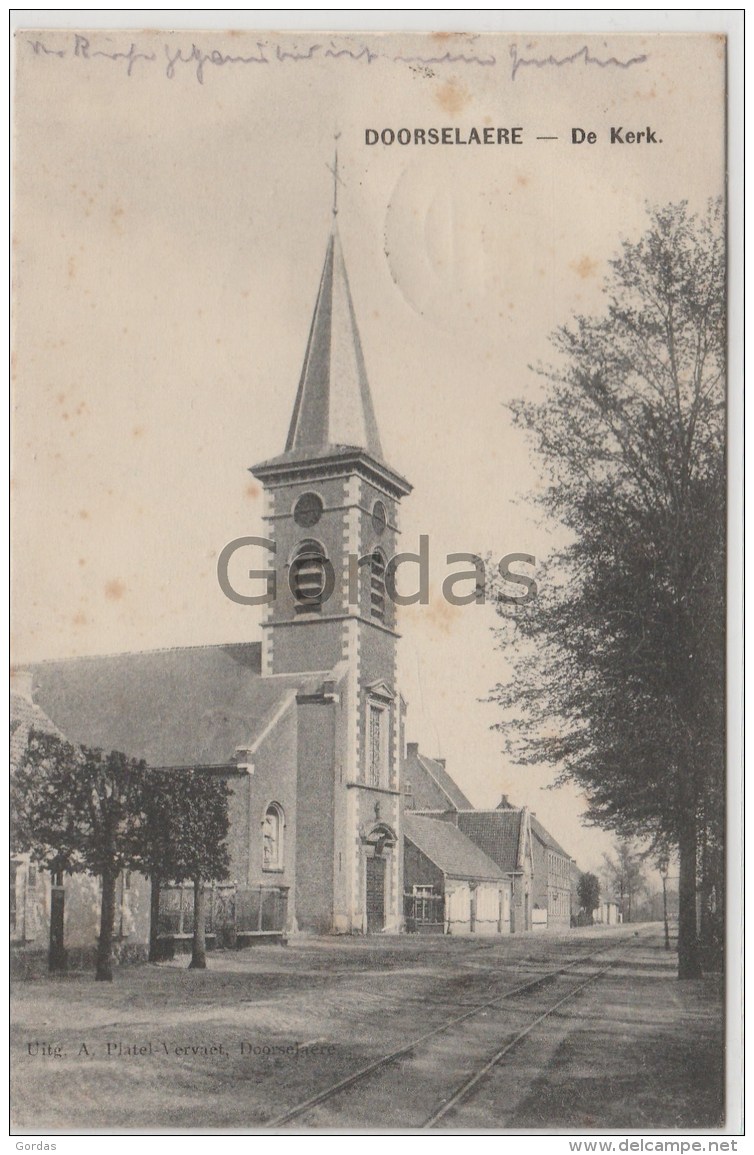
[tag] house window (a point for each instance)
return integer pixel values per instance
(56, 878)
(377, 587)
(376, 746)
(272, 838)
(311, 578)
(31, 876)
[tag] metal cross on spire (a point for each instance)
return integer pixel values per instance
(336, 179)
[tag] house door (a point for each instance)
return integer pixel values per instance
(375, 894)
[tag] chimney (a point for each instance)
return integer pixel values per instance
(440, 762)
(412, 749)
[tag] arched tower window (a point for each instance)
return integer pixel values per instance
(377, 588)
(311, 577)
(272, 838)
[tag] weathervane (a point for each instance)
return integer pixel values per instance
(336, 179)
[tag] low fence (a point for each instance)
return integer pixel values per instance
(424, 913)
(230, 912)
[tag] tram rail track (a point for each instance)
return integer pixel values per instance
(464, 1089)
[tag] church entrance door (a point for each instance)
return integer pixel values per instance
(375, 894)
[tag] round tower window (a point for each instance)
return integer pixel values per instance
(379, 517)
(308, 510)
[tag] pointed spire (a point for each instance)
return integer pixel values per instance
(333, 404)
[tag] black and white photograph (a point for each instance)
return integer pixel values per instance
(370, 478)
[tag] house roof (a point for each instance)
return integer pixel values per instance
(449, 849)
(544, 836)
(450, 792)
(499, 833)
(179, 707)
(24, 716)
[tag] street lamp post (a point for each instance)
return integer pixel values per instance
(663, 866)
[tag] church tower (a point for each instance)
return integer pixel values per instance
(331, 507)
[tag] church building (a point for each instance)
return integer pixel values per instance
(307, 726)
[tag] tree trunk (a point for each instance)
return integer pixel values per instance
(198, 945)
(107, 922)
(154, 916)
(56, 959)
(689, 961)
(711, 917)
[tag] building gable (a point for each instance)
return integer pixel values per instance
(432, 787)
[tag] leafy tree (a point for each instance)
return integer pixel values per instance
(45, 820)
(80, 809)
(620, 671)
(588, 892)
(158, 844)
(203, 810)
(76, 809)
(626, 873)
(108, 795)
(183, 838)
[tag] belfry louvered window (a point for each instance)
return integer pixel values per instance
(377, 587)
(309, 577)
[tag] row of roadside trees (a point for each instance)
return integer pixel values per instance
(619, 662)
(77, 809)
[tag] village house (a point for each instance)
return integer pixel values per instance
(536, 866)
(551, 876)
(452, 885)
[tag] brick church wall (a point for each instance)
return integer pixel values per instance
(315, 826)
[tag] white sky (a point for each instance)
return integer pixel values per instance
(169, 238)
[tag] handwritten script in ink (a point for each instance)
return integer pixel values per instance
(583, 55)
(172, 60)
(194, 60)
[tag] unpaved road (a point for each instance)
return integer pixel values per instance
(262, 1030)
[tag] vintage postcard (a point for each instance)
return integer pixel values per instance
(369, 478)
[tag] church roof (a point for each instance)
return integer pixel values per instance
(333, 403)
(449, 849)
(179, 707)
